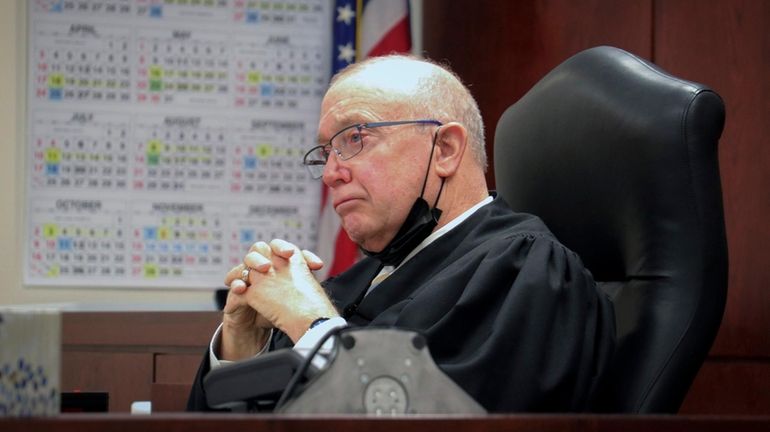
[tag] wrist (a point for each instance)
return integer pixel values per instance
(304, 324)
(238, 342)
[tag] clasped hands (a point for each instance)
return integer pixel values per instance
(279, 292)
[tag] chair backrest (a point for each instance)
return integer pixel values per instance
(620, 160)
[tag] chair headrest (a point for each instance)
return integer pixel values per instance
(605, 142)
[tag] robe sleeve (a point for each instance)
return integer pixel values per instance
(521, 327)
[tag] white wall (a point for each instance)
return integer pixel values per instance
(12, 174)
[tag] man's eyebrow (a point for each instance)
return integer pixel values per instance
(347, 121)
(350, 120)
(359, 117)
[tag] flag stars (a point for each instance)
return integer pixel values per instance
(345, 14)
(346, 52)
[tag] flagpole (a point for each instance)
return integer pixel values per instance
(359, 15)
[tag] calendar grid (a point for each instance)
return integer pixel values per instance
(166, 136)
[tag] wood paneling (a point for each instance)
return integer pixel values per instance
(730, 386)
(176, 368)
(726, 44)
(169, 397)
(135, 356)
(139, 328)
(125, 376)
(271, 423)
(502, 48)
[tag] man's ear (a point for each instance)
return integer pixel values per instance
(451, 145)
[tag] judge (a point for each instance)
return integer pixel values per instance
(509, 313)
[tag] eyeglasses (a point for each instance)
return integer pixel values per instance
(347, 143)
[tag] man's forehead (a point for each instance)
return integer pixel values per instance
(344, 108)
(354, 116)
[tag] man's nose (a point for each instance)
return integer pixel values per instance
(335, 171)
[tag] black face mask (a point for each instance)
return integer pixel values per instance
(418, 225)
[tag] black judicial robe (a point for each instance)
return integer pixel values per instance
(509, 313)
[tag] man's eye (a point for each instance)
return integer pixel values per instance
(356, 137)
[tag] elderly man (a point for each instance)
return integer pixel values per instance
(509, 313)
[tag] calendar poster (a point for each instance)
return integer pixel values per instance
(165, 137)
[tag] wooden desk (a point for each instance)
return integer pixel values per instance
(154, 356)
(270, 423)
(135, 356)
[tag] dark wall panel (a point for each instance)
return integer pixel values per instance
(730, 387)
(726, 44)
(502, 48)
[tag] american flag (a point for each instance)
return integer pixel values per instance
(361, 28)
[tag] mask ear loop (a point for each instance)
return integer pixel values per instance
(430, 160)
(435, 203)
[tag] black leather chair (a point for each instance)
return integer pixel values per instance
(620, 160)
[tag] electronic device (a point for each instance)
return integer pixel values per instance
(253, 385)
(374, 371)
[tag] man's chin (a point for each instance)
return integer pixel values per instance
(369, 245)
(367, 236)
(362, 241)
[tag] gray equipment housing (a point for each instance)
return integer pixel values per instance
(381, 372)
